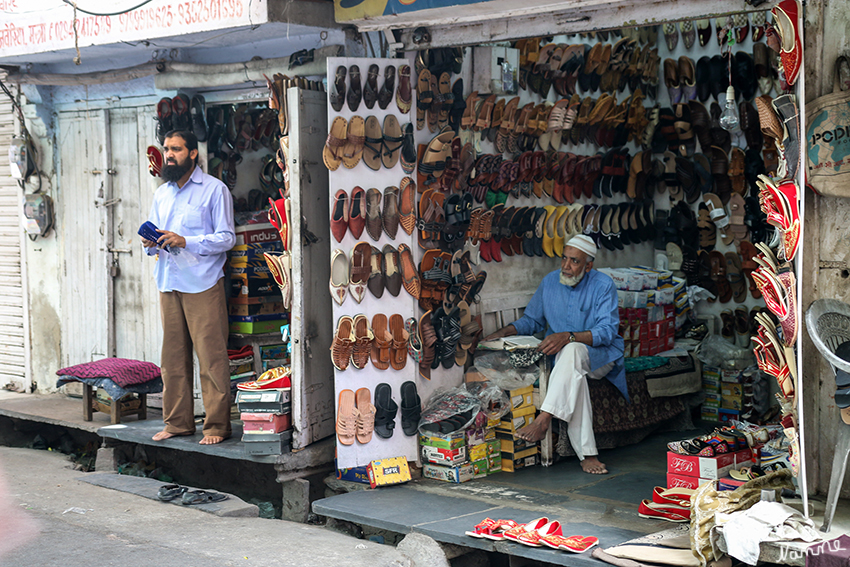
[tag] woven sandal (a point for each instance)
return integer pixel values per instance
(346, 418)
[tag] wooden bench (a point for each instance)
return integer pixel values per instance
(117, 409)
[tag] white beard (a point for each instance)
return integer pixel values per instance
(572, 282)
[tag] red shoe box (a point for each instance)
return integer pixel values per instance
(682, 481)
(700, 467)
(446, 457)
(744, 457)
(265, 422)
(654, 346)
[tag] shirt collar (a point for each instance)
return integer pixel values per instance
(196, 177)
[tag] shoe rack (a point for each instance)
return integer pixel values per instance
(774, 260)
(296, 157)
(354, 383)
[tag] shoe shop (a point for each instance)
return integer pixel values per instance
(98, 104)
(654, 168)
(565, 306)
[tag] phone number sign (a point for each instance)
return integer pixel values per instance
(36, 26)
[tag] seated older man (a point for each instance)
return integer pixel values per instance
(577, 307)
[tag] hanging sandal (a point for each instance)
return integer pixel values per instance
(385, 411)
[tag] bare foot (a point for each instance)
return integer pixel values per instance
(591, 465)
(536, 430)
(163, 435)
(211, 440)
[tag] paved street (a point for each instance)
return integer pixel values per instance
(83, 525)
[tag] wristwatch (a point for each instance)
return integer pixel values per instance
(572, 337)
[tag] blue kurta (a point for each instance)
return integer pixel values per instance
(590, 306)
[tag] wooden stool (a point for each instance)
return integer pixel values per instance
(117, 409)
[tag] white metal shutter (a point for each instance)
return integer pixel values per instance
(13, 340)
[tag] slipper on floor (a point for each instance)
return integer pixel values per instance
(202, 497)
(579, 544)
(168, 492)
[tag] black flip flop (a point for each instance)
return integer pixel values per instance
(168, 492)
(385, 411)
(202, 497)
(411, 408)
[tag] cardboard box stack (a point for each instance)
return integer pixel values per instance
(653, 304)
(711, 386)
(255, 304)
(273, 356)
(731, 395)
(724, 391)
(266, 421)
(516, 453)
(689, 471)
(444, 457)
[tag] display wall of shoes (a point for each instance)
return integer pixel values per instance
(382, 343)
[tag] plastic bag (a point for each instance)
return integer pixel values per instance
(494, 400)
(717, 351)
(497, 368)
(449, 409)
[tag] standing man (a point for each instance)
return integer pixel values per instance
(194, 213)
(577, 307)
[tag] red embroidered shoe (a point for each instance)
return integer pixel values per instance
(791, 51)
(668, 512)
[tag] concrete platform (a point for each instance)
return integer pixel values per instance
(141, 432)
(601, 506)
(58, 409)
(232, 507)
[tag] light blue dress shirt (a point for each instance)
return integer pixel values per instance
(201, 212)
(590, 306)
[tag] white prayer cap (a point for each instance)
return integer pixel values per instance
(583, 243)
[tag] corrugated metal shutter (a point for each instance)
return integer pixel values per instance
(12, 337)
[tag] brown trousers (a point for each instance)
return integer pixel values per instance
(196, 320)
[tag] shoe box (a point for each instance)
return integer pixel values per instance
(253, 423)
(264, 401)
(512, 462)
(241, 285)
(353, 474)
(683, 481)
(508, 443)
(260, 233)
(458, 474)
(484, 450)
(477, 436)
(259, 444)
(245, 254)
(254, 327)
(700, 467)
(451, 440)
(689, 471)
(274, 363)
(516, 419)
(385, 472)
(247, 310)
(521, 397)
(487, 466)
(486, 458)
(448, 457)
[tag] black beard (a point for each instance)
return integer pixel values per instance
(175, 172)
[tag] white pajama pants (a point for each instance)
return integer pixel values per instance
(568, 397)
